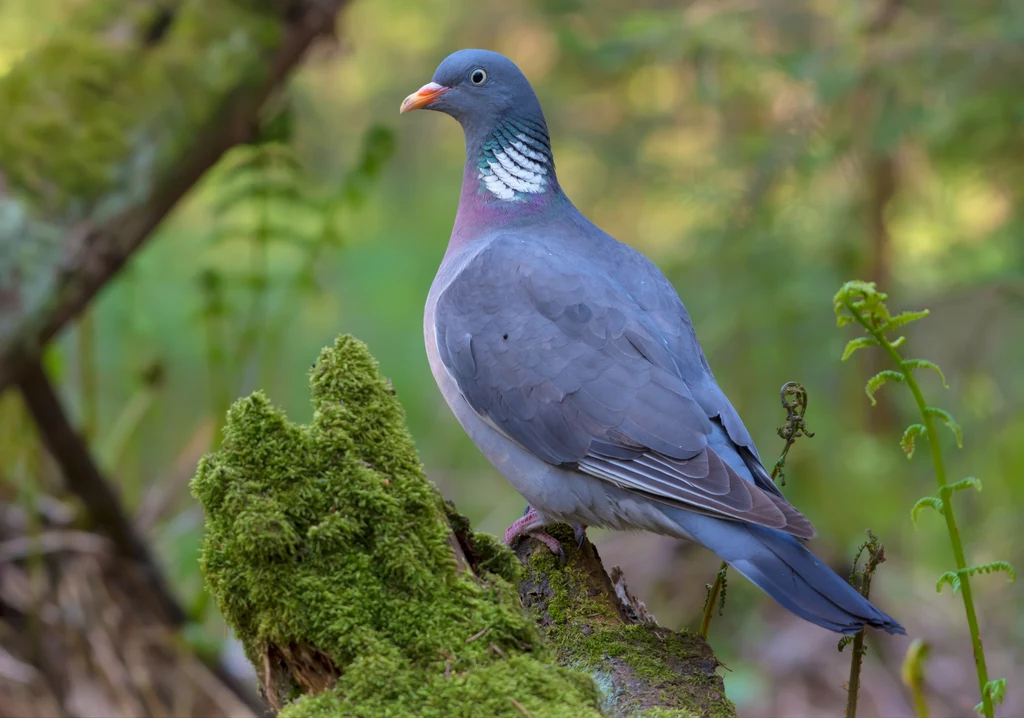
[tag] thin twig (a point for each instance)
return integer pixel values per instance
(521, 707)
(21, 547)
(86, 356)
(794, 400)
(876, 555)
(478, 634)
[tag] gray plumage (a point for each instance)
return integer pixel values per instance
(571, 362)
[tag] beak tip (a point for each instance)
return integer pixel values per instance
(422, 97)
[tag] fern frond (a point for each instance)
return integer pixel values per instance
(949, 421)
(928, 502)
(960, 485)
(951, 578)
(858, 343)
(995, 690)
(903, 319)
(910, 364)
(993, 567)
(907, 442)
(875, 383)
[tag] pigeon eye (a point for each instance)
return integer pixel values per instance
(478, 76)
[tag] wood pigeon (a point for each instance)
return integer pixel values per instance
(571, 362)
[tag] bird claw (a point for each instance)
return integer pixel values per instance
(521, 527)
(551, 542)
(580, 532)
(530, 525)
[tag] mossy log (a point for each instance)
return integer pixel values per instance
(358, 591)
(108, 123)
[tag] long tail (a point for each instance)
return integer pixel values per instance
(781, 566)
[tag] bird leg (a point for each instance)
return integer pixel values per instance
(531, 524)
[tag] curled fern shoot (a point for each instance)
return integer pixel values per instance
(925, 364)
(969, 482)
(953, 577)
(949, 421)
(928, 502)
(875, 383)
(794, 400)
(949, 577)
(995, 690)
(907, 442)
(861, 303)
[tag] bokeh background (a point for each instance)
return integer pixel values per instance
(761, 153)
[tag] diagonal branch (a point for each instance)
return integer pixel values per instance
(38, 299)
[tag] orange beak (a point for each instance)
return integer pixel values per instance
(423, 97)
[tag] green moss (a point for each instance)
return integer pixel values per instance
(327, 540)
(117, 102)
(570, 604)
(669, 713)
(485, 552)
(641, 646)
(640, 669)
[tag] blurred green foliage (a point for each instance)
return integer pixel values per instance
(760, 153)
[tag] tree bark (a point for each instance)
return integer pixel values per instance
(596, 625)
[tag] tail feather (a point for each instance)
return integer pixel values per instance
(781, 566)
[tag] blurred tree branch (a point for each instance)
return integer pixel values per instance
(157, 95)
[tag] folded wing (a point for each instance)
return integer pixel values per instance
(566, 363)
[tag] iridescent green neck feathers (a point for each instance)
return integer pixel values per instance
(515, 161)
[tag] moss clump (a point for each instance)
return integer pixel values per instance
(329, 554)
(484, 552)
(121, 88)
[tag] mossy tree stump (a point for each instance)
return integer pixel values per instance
(357, 591)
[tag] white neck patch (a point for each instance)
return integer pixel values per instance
(515, 162)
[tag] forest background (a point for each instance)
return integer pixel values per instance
(761, 153)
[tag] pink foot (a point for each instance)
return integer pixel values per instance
(530, 525)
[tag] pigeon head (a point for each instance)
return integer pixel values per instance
(508, 152)
(476, 87)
